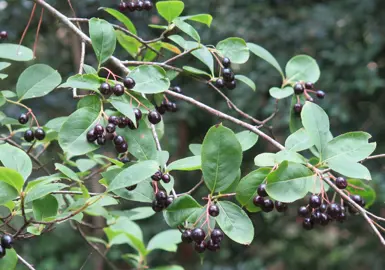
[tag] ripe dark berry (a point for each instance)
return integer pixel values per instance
(118, 140)
(177, 89)
(198, 235)
(280, 206)
(122, 148)
(226, 62)
(213, 210)
(2, 252)
(101, 140)
(154, 117)
(131, 188)
(357, 199)
(169, 201)
(316, 217)
(122, 6)
(171, 107)
(341, 182)
(267, 205)
(110, 128)
(129, 83)
(314, 201)
(307, 224)
(303, 211)
(298, 89)
(123, 122)
(341, 217)
(139, 5)
(262, 190)
(323, 219)
(157, 176)
(7, 241)
(39, 134)
(91, 136)
(231, 85)
(166, 178)
(309, 85)
(211, 245)
(258, 201)
(200, 247)
(161, 196)
(186, 236)
(23, 118)
(297, 108)
(99, 130)
(310, 99)
(113, 120)
(29, 136)
(118, 90)
(131, 7)
(220, 83)
(320, 94)
(334, 210)
(217, 235)
(105, 89)
(323, 207)
(3, 34)
(138, 114)
(161, 109)
(157, 206)
(147, 5)
(227, 74)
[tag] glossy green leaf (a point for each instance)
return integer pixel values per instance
(150, 55)
(221, 158)
(349, 169)
(247, 139)
(246, 81)
(166, 240)
(201, 18)
(67, 172)
(7, 191)
(178, 40)
(235, 49)
(265, 160)
(195, 148)
(298, 141)
(55, 124)
(122, 18)
(15, 158)
(168, 267)
(356, 186)
(170, 10)
(187, 28)
(150, 79)
(37, 81)
(291, 182)
(302, 68)
(194, 70)
(89, 69)
(180, 210)
(86, 82)
(130, 44)
(289, 156)
(202, 53)
(45, 208)
(138, 213)
(12, 177)
(103, 39)
(124, 105)
(186, 164)
(2, 99)
(247, 188)
(134, 174)
(15, 52)
(235, 223)
(42, 190)
(85, 164)
(279, 93)
(265, 55)
(9, 262)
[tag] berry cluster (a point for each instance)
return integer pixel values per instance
(168, 106)
(29, 134)
(162, 201)
(165, 177)
(198, 236)
(138, 5)
(6, 243)
(228, 79)
(118, 90)
(267, 205)
(3, 35)
(305, 88)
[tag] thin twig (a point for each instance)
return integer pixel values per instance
(192, 189)
(81, 65)
(29, 266)
(179, 55)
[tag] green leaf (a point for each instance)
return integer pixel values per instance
(85, 165)
(246, 81)
(247, 139)
(195, 148)
(194, 70)
(56, 123)
(9, 262)
(356, 186)
(89, 69)
(316, 123)
(2, 99)
(202, 18)
(187, 28)
(122, 18)
(221, 158)
(8, 94)
(7, 191)
(166, 240)
(15, 52)
(86, 82)
(130, 44)
(265, 160)
(150, 79)
(265, 55)
(169, 267)
(352, 146)
(186, 164)
(291, 182)
(349, 169)
(279, 93)
(138, 213)
(298, 141)
(4, 65)
(180, 210)
(67, 172)
(72, 135)
(235, 223)
(103, 39)
(170, 9)
(15, 158)
(289, 156)
(302, 68)
(45, 208)
(37, 81)
(235, 49)
(124, 105)
(42, 190)
(178, 40)
(11, 177)
(150, 55)
(247, 188)
(134, 174)
(202, 53)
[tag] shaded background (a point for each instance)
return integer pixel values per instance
(346, 38)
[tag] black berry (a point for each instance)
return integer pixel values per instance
(323, 207)
(357, 199)
(200, 247)
(139, 5)
(258, 201)
(320, 94)
(231, 85)
(3, 34)
(131, 7)
(314, 201)
(280, 206)
(119, 140)
(154, 117)
(123, 122)
(157, 206)
(39, 134)
(226, 62)
(169, 201)
(23, 119)
(220, 83)
(213, 210)
(316, 217)
(334, 210)
(303, 211)
(166, 178)
(307, 224)
(29, 136)
(99, 130)
(298, 89)
(157, 176)
(267, 205)
(186, 236)
(210, 245)
(131, 188)
(118, 90)
(122, 6)
(129, 83)
(228, 75)
(7, 241)
(309, 85)
(2, 251)
(161, 109)
(113, 120)
(161, 196)
(147, 5)
(122, 148)
(110, 128)
(341, 182)
(198, 235)
(262, 190)
(101, 140)
(138, 114)
(341, 217)
(91, 136)
(217, 235)
(177, 89)
(105, 89)
(297, 108)
(323, 219)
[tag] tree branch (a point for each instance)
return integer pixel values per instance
(28, 265)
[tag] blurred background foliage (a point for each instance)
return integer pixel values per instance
(346, 38)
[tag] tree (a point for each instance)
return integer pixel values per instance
(125, 107)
